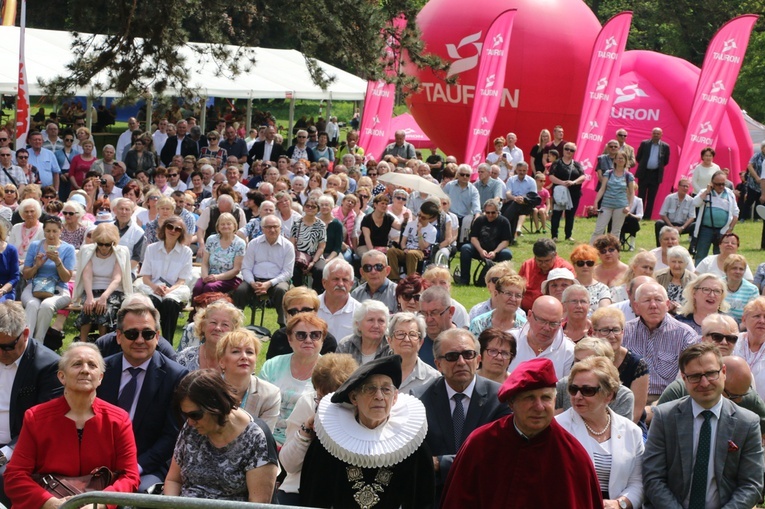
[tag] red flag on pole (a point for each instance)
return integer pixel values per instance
(22, 101)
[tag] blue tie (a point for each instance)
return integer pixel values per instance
(458, 419)
(698, 499)
(126, 397)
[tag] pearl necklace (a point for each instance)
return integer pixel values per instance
(599, 433)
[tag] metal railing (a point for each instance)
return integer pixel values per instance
(160, 502)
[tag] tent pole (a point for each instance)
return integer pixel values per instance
(88, 110)
(203, 115)
(329, 107)
(249, 115)
(149, 111)
(292, 116)
(15, 119)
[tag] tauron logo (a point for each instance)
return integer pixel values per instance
(462, 64)
(729, 45)
(498, 39)
(628, 93)
(602, 84)
(610, 42)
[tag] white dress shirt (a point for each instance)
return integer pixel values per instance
(713, 495)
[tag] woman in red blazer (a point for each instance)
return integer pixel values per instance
(72, 435)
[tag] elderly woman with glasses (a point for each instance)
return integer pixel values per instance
(704, 296)
(292, 372)
(408, 292)
(583, 259)
(508, 293)
(613, 442)
(718, 215)
(406, 333)
(608, 324)
(74, 229)
(677, 276)
(494, 274)
(213, 151)
(150, 212)
(370, 445)
(221, 452)
(370, 323)
(576, 307)
(10, 197)
(297, 300)
(165, 210)
(103, 280)
(165, 270)
(309, 236)
(498, 349)
(751, 344)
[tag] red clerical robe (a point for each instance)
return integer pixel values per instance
(498, 468)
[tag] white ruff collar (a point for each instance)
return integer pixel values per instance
(384, 446)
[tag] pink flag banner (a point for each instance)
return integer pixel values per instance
(719, 72)
(378, 104)
(22, 101)
(492, 65)
(599, 95)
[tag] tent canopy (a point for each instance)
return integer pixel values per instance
(276, 74)
(414, 134)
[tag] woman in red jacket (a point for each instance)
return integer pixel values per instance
(72, 435)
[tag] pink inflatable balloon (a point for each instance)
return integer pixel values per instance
(656, 90)
(550, 49)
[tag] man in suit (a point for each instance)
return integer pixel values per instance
(652, 157)
(142, 381)
(27, 378)
(180, 144)
(266, 150)
(459, 401)
(703, 450)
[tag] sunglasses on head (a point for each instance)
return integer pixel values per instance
(582, 263)
(132, 334)
(7, 347)
(302, 335)
(368, 267)
(195, 415)
(586, 390)
(294, 311)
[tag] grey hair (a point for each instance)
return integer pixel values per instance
(455, 333)
(64, 360)
(484, 166)
(366, 307)
(667, 229)
(522, 164)
(574, 288)
(600, 347)
(325, 199)
(679, 252)
(717, 318)
(115, 203)
(109, 146)
(374, 252)
(436, 294)
(13, 320)
(336, 265)
(225, 198)
(30, 202)
(400, 192)
(406, 317)
(80, 210)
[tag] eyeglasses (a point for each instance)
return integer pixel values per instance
(569, 149)
(5, 155)
(711, 376)
(363, 197)
(545, 323)
(732, 396)
(463, 174)
(68, 139)
(718, 183)
(454, 356)
(609, 332)
(491, 212)
(132, 334)
(301, 137)
(586, 390)
(371, 174)
(7, 347)
(613, 146)
(401, 335)
(371, 390)
(11, 191)
(3, 139)
(582, 263)
(710, 291)
(310, 207)
(173, 228)
(580, 302)
(104, 244)
(608, 250)
(294, 311)
(718, 337)
(410, 296)
(196, 415)
(368, 267)
(493, 352)
(434, 314)
(511, 295)
(315, 335)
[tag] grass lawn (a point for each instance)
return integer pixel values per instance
(749, 232)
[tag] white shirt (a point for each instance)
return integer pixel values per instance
(713, 496)
(340, 323)
(159, 264)
(180, 187)
(268, 146)
(126, 376)
(515, 156)
(159, 140)
(274, 262)
(122, 142)
(560, 351)
(7, 376)
(468, 392)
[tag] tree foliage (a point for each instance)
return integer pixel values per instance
(139, 49)
(684, 28)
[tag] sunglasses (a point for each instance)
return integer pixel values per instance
(371, 174)
(570, 149)
(172, 174)
(104, 244)
(68, 213)
(68, 139)
(104, 209)
(586, 390)
(294, 311)
(22, 157)
(12, 191)
(7, 347)
(401, 198)
(196, 415)
(608, 250)
(582, 263)
(464, 174)
(410, 296)
(315, 335)
(368, 267)
(49, 196)
(718, 337)
(173, 228)
(3, 139)
(454, 356)
(212, 138)
(622, 135)
(132, 334)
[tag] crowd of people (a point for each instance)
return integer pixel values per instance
(634, 382)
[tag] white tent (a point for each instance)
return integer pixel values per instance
(756, 130)
(277, 74)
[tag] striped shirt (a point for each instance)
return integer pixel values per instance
(660, 348)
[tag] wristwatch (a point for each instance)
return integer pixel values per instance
(622, 503)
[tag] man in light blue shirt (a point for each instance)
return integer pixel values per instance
(518, 186)
(465, 200)
(488, 188)
(44, 160)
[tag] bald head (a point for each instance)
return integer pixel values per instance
(738, 376)
(547, 305)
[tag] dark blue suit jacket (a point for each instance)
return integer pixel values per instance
(484, 408)
(154, 424)
(35, 382)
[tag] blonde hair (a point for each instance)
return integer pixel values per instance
(237, 338)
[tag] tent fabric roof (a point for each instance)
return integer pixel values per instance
(275, 74)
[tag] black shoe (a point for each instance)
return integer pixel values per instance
(54, 339)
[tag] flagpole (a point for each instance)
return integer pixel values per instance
(22, 98)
